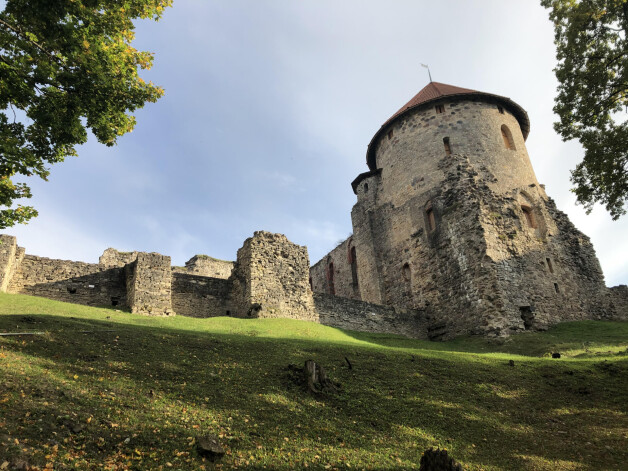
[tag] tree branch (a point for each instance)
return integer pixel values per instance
(21, 34)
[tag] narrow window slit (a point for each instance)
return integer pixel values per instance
(447, 145)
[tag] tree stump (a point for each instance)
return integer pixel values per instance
(316, 378)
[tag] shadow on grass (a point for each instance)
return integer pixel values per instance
(157, 386)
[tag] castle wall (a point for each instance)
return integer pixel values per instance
(74, 282)
(8, 252)
(618, 302)
(111, 258)
(200, 296)
(358, 315)
(550, 268)
(149, 284)
(204, 265)
(343, 281)
(271, 279)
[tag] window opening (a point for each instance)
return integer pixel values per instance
(431, 220)
(228, 313)
(390, 134)
(501, 110)
(440, 108)
(527, 316)
(115, 300)
(527, 212)
(311, 284)
(549, 265)
(330, 278)
(366, 187)
(556, 288)
(71, 290)
(405, 270)
(507, 136)
(354, 268)
(447, 145)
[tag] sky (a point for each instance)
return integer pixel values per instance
(267, 113)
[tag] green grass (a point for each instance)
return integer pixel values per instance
(144, 388)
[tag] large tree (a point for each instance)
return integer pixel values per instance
(592, 50)
(66, 66)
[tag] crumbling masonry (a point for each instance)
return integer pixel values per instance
(453, 235)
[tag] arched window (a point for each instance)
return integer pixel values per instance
(507, 136)
(429, 215)
(330, 278)
(447, 145)
(353, 259)
(529, 215)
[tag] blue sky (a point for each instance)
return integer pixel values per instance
(268, 110)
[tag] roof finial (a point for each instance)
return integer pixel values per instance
(428, 71)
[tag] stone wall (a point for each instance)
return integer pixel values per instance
(149, 284)
(618, 302)
(114, 258)
(205, 265)
(357, 315)
(73, 282)
(200, 296)
(336, 273)
(8, 248)
(271, 279)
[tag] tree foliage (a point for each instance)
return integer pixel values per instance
(592, 99)
(66, 66)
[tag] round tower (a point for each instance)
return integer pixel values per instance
(406, 153)
(451, 218)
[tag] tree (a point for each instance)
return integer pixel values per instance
(66, 66)
(591, 37)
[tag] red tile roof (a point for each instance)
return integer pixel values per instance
(432, 93)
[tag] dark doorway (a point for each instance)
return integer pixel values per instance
(528, 316)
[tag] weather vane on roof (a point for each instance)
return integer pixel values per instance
(428, 70)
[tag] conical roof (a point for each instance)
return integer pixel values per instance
(432, 91)
(436, 91)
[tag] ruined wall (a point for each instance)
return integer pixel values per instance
(114, 258)
(357, 315)
(200, 296)
(618, 302)
(73, 282)
(547, 269)
(149, 284)
(8, 260)
(205, 265)
(271, 279)
(336, 273)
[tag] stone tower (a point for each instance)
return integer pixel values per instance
(451, 218)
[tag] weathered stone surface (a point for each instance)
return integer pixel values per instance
(200, 296)
(209, 447)
(271, 279)
(149, 284)
(204, 265)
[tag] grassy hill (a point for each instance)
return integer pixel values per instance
(103, 389)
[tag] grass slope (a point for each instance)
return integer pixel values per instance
(134, 392)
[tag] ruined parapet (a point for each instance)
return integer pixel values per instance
(271, 279)
(204, 265)
(111, 258)
(149, 284)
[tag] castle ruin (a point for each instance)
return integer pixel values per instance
(452, 235)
